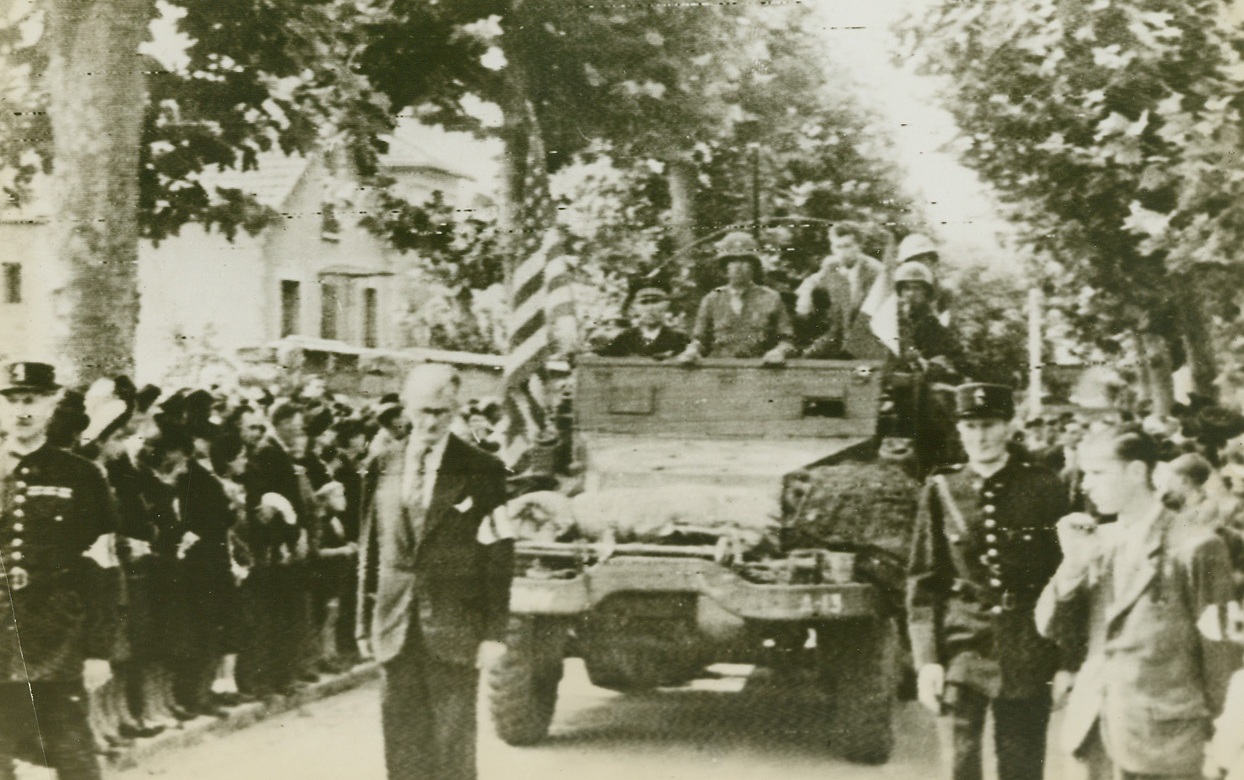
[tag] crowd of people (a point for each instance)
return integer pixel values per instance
(170, 553)
(227, 568)
(1091, 562)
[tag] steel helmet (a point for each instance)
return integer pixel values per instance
(913, 271)
(915, 245)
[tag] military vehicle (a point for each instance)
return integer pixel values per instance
(658, 591)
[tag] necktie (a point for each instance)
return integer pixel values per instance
(413, 477)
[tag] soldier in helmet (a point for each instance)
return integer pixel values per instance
(916, 247)
(924, 341)
(985, 546)
(53, 507)
(743, 318)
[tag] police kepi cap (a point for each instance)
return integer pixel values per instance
(29, 377)
(977, 401)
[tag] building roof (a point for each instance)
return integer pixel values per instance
(271, 182)
(406, 153)
(462, 155)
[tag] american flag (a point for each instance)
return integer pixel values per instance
(539, 295)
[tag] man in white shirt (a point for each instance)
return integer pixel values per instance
(1131, 592)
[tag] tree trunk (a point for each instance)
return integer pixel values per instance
(1197, 342)
(1155, 357)
(680, 175)
(97, 100)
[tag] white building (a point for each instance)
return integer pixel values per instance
(315, 273)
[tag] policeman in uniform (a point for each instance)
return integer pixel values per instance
(53, 506)
(985, 546)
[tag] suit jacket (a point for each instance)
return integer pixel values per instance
(457, 588)
(841, 332)
(55, 505)
(1149, 677)
(207, 512)
(842, 307)
(631, 343)
(975, 573)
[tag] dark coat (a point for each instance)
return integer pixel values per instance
(55, 506)
(458, 587)
(631, 343)
(975, 575)
(204, 578)
(272, 470)
(136, 515)
(924, 333)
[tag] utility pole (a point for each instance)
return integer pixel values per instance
(1036, 307)
(755, 149)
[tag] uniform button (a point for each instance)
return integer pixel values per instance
(991, 552)
(995, 610)
(990, 494)
(17, 556)
(17, 543)
(954, 538)
(23, 470)
(18, 528)
(18, 513)
(991, 538)
(991, 523)
(1027, 537)
(19, 499)
(994, 582)
(20, 485)
(989, 509)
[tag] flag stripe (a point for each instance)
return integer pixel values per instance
(528, 332)
(529, 289)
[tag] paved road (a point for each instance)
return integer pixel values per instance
(761, 733)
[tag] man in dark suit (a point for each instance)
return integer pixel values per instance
(205, 582)
(276, 609)
(985, 545)
(649, 336)
(53, 507)
(442, 598)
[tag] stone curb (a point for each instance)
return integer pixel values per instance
(195, 731)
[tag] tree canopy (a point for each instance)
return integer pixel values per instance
(1112, 132)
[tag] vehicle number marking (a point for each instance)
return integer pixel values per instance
(823, 604)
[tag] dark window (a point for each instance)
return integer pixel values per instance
(12, 282)
(370, 322)
(291, 307)
(330, 225)
(330, 310)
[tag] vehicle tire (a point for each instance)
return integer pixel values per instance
(858, 662)
(523, 684)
